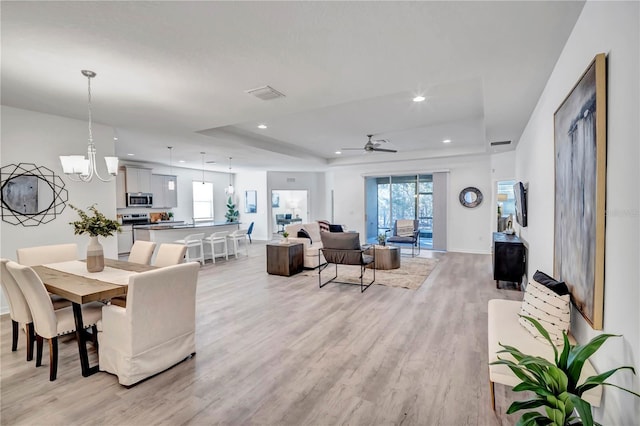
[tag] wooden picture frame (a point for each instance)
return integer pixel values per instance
(580, 132)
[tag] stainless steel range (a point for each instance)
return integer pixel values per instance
(126, 235)
(136, 219)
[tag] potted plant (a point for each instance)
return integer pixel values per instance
(95, 225)
(382, 239)
(232, 214)
(285, 235)
(556, 383)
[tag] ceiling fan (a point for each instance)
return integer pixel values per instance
(372, 145)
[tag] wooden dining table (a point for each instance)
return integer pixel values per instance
(79, 289)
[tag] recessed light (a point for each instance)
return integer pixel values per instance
(181, 161)
(338, 152)
(419, 99)
(446, 141)
(115, 138)
(262, 126)
(130, 155)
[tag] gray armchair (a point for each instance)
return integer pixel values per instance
(406, 231)
(344, 249)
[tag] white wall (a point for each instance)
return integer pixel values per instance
(467, 229)
(612, 28)
(30, 137)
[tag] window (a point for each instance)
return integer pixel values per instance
(202, 200)
(404, 197)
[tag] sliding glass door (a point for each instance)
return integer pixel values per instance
(402, 197)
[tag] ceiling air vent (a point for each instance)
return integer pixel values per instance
(500, 143)
(266, 93)
(291, 180)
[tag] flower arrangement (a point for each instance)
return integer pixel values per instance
(96, 225)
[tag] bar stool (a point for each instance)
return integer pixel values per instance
(215, 239)
(193, 242)
(237, 237)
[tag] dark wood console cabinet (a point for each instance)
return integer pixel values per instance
(509, 258)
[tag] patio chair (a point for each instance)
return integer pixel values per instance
(406, 231)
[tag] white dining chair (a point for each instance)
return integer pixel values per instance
(170, 254)
(49, 323)
(137, 342)
(193, 243)
(18, 310)
(41, 255)
(237, 237)
(141, 252)
(218, 239)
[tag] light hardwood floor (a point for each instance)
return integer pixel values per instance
(278, 350)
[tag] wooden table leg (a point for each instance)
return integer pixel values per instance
(81, 337)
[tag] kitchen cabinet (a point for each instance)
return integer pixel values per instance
(125, 239)
(121, 189)
(165, 191)
(138, 179)
(509, 258)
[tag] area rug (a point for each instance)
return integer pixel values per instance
(412, 273)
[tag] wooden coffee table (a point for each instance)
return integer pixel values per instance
(387, 257)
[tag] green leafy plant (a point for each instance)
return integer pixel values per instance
(285, 234)
(556, 383)
(96, 225)
(382, 239)
(232, 214)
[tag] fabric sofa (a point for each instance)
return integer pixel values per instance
(312, 245)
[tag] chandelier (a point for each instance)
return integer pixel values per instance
(229, 189)
(81, 169)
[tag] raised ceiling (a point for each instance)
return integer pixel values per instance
(176, 73)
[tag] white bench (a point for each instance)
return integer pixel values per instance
(505, 328)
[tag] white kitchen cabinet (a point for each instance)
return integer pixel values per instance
(138, 179)
(125, 239)
(165, 191)
(121, 189)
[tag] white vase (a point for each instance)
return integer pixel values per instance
(95, 255)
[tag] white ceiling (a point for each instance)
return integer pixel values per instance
(175, 73)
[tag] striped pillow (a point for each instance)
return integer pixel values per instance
(549, 309)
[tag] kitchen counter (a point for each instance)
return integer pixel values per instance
(181, 225)
(169, 232)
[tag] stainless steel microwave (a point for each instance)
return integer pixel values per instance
(139, 199)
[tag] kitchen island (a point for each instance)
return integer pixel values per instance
(168, 233)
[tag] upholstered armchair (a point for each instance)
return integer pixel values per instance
(157, 328)
(406, 231)
(344, 249)
(312, 244)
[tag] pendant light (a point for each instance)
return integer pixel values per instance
(202, 167)
(79, 168)
(229, 189)
(171, 184)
